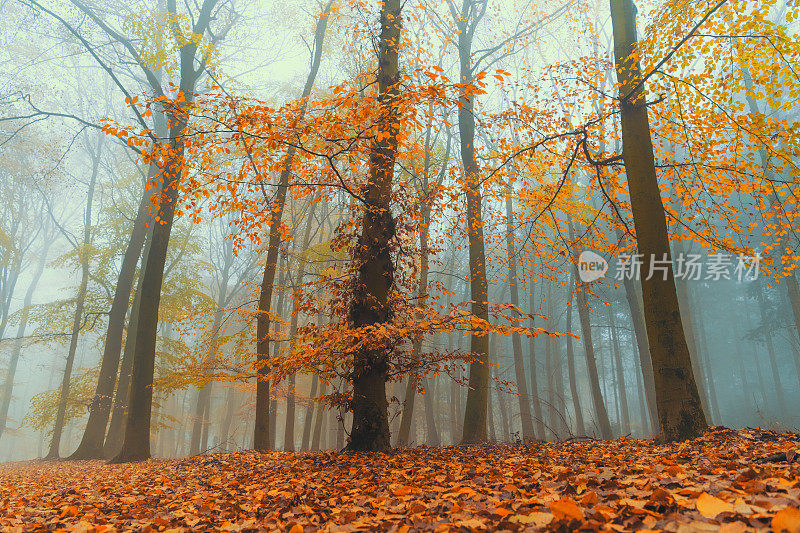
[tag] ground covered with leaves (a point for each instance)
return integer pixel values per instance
(727, 481)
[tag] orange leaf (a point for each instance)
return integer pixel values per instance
(566, 508)
(710, 506)
(787, 520)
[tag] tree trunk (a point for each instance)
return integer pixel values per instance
(422, 292)
(621, 389)
(632, 296)
(91, 446)
(309, 416)
(370, 306)
(687, 318)
(262, 429)
(475, 411)
(116, 426)
(8, 383)
(318, 423)
(516, 342)
(681, 415)
(537, 404)
(430, 415)
(580, 428)
(588, 346)
(136, 440)
(78, 316)
(773, 361)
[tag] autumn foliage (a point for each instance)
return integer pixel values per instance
(734, 480)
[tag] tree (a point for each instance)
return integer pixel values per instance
(262, 429)
(680, 413)
(83, 250)
(370, 305)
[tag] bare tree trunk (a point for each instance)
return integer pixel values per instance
(773, 362)
(516, 342)
(8, 382)
(430, 414)
(225, 437)
(288, 433)
(681, 415)
(588, 347)
(643, 348)
(318, 423)
(479, 370)
(580, 428)
(621, 388)
(307, 419)
(116, 426)
(687, 318)
(78, 316)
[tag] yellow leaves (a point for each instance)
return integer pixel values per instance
(710, 506)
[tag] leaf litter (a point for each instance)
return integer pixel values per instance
(729, 481)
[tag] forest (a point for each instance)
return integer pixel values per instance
(389, 265)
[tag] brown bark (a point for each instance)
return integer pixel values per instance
(475, 412)
(516, 342)
(622, 392)
(537, 404)
(91, 446)
(375, 277)
(262, 429)
(681, 415)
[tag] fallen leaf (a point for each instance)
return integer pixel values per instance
(566, 508)
(710, 506)
(787, 520)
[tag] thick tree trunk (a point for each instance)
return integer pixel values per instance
(91, 446)
(680, 412)
(136, 440)
(116, 426)
(370, 306)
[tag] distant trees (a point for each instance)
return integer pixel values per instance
(379, 254)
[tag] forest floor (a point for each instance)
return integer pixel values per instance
(726, 481)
